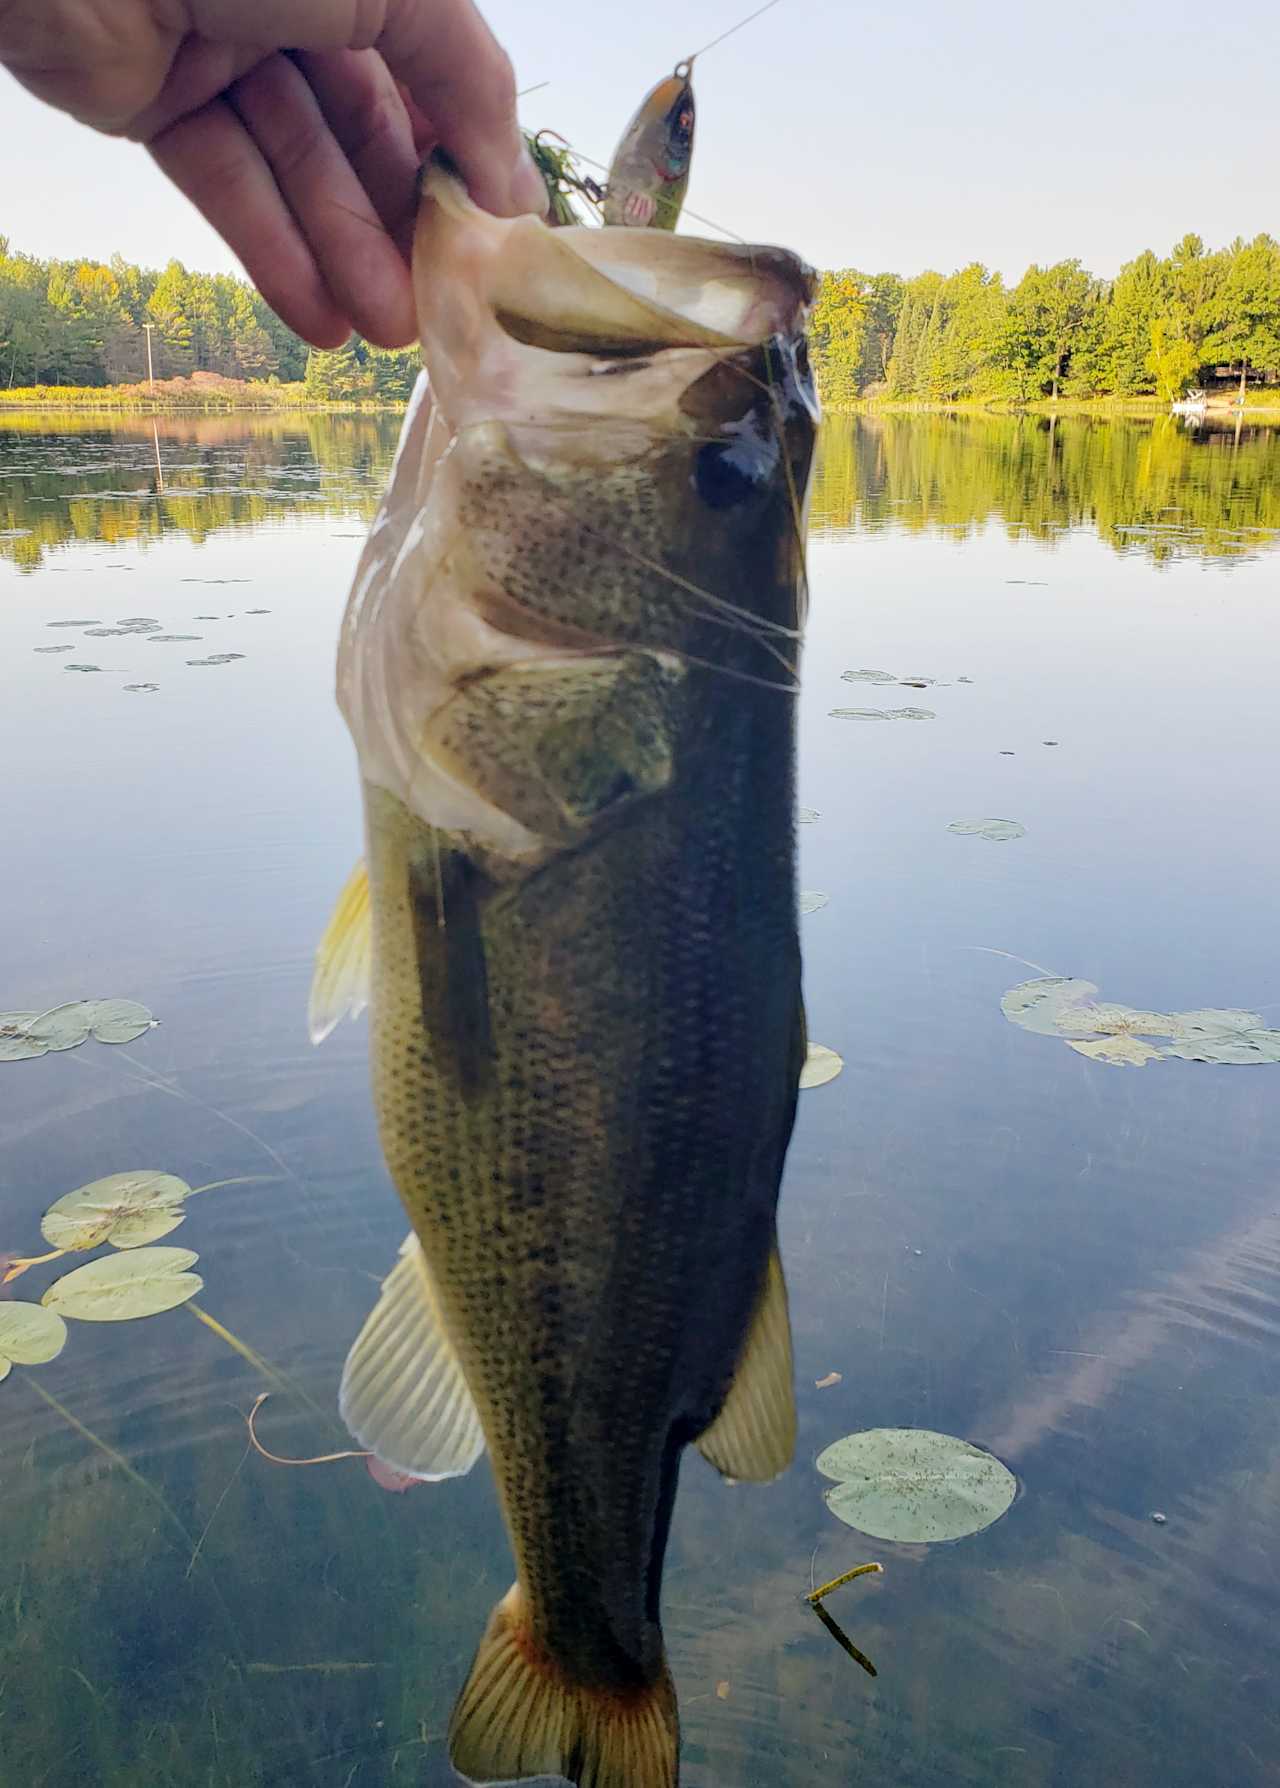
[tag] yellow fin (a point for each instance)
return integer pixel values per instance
(754, 1435)
(340, 985)
(403, 1394)
(520, 1715)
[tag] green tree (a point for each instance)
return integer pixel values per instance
(836, 330)
(1244, 313)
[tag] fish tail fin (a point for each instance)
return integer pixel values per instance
(519, 1715)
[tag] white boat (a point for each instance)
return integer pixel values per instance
(1195, 403)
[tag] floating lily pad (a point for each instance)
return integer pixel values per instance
(807, 815)
(82, 667)
(820, 1065)
(73, 623)
(141, 688)
(30, 1335)
(1049, 1005)
(53, 648)
(119, 1021)
(137, 624)
(16, 1042)
(1228, 1043)
(911, 714)
(217, 658)
(882, 714)
(1117, 1052)
(172, 639)
(910, 1484)
(812, 901)
(106, 632)
(997, 830)
(257, 611)
(126, 1209)
(917, 682)
(122, 1287)
(63, 1027)
(867, 676)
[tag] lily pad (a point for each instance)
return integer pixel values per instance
(73, 623)
(911, 714)
(137, 624)
(820, 1065)
(217, 658)
(910, 1484)
(1117, 1052)
(119, 1021)
(867, 676)
(53, 648)
(141, 688)
(807, 815)
(82, 667)
(812, 901)
(106, 632)
(858, 714)
(122, 1287)
(1049, 1005)
(997, 830)
(126, 1209)
(171, 639)
(30, 1335)
(16, 1042)
(1228, 1043)
(63, 1027)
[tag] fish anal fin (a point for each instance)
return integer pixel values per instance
(403, 1392)
(340, 984)
(754, 1435)
(520, 1715)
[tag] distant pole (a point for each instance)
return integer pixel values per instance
(151, 377)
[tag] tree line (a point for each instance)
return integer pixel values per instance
(1158, 327)
(85, 323)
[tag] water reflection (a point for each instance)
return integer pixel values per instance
(983, 1232)
(1152, 487)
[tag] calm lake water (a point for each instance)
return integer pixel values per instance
(1074, 1264)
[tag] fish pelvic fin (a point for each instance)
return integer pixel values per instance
(403, 1394)
(520, 1715)
(754, 1436)
(340, 984)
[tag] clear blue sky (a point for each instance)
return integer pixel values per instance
(908, 137)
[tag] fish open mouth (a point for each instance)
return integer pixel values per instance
(585, 291)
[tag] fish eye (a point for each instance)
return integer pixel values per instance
(721, 480)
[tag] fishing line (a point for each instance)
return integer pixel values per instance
(686, 65)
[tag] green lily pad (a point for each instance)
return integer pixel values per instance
(1049, 1005)
(82, 667)
(807, 815)
(16, 1042)
(30, 1335)
(812, 900)
(867, 676)
(217, 658)
(119, 1021)
(910, 1484)
(997, 830)
(1122, 1051)
(858, 714)
(820, 1065)
(122, 1287)
(126, 1209)
(63, 1027)
(1229, 1043)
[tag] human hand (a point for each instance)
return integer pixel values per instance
(296, 126)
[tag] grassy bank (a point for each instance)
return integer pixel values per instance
(203, 394)
(1259, 406)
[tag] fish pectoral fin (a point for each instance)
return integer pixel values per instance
(340, 984)
(754, 1435)
(521, 1714)
(403, 1394)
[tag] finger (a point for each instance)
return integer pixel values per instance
(366, 113)
(200, 71)
(361, 265)
(463, 82)
(211, 157)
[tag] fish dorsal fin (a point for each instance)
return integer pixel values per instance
(340, 984)
(754, 1435)
(403, 1394)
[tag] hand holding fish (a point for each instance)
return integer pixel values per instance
(296, 126)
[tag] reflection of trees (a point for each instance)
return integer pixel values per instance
(61, 488)
(1201, 493)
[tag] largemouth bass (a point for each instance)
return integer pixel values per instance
(649, 174)
(568, 666)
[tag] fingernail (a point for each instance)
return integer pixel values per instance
(528, 188)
